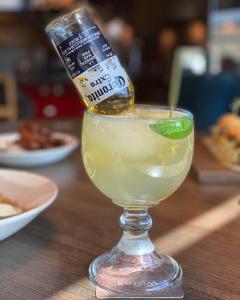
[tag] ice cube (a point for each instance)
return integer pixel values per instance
(132, 139)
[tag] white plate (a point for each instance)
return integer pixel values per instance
(15, 155)
(31, 192)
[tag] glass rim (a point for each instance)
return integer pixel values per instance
(122, 117)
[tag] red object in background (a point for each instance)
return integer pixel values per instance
(53, 100)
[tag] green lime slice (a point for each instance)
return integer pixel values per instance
(174, 129)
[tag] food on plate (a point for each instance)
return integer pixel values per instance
(226, 134)
(8, 207)
(34, 136)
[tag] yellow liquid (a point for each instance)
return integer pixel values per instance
(120, 102)
(129, 162)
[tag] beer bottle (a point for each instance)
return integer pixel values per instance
(91, 63)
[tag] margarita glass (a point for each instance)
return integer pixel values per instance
(137, 159)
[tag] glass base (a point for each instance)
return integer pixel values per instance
(134, 268)
(136, 275)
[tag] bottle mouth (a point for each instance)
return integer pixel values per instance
(68, 18)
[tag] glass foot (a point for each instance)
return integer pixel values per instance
(134, 268)
(139, 276)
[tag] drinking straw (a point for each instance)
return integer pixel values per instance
(175, 82)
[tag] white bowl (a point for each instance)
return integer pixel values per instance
(16, 156)
(31, 192)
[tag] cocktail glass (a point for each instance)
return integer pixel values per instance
(137, 160)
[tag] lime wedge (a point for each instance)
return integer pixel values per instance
(174, 129)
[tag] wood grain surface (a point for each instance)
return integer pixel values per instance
(199, 225)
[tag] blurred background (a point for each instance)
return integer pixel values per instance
(144, 34)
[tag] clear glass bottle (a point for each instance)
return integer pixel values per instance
(91, 63)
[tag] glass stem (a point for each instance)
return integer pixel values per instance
(135, 225)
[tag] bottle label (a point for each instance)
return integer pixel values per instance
(102, 81)
(95, 70)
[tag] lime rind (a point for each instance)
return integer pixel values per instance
(173, 129)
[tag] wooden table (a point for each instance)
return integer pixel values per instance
(199, 225)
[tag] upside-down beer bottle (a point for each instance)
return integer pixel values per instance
(91, 63)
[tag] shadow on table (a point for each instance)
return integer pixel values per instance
(31, 265)
(15, 249)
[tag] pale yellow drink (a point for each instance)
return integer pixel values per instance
(130, 162)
